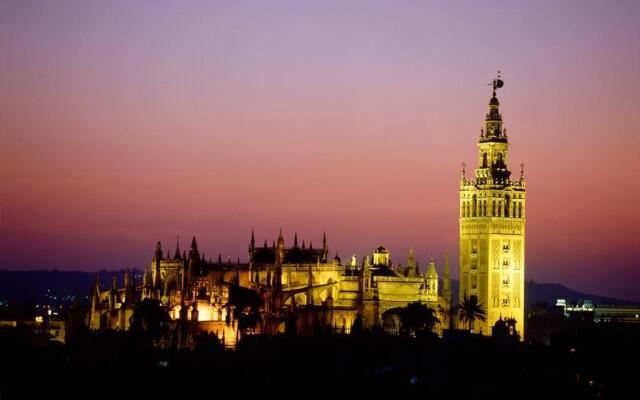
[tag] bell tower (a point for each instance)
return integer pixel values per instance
(492, 227)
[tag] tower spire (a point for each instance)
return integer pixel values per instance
(325, 248)
(177, 256)
(493, 119)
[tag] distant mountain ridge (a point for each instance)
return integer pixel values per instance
(33, 286)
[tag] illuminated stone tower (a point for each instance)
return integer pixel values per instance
(492, 227)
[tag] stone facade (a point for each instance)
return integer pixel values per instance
(300, 279)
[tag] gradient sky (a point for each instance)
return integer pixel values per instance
(124, 123)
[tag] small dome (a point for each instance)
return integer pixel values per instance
(494, 101)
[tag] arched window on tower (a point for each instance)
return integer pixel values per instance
(484, 160)
(474, 206)
(507, 204)
(493, 208)
(519, 210)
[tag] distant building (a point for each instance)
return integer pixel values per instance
(38, 322)
(601, 313)
(566, 322)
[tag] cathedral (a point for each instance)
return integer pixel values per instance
(299, 279)
(301, 289)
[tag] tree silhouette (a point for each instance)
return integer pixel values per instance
(471, 309)
(246, 305)
(418, 318)
(151, 317)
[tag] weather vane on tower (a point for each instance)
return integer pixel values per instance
(497, 83)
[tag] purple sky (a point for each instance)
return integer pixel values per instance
(124, 123)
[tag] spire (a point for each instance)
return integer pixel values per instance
(411, 264)
(303, 245)
(177, 256)
(126, 278)
(194, 254)
(158, 255)
(447, 272)
(325, 248)
(295, 240)
(431, 270)
(253, 241)
(281, 239)
(493, 121)
(493, 145)
(97, 283)
(280, 250)
(194, 244)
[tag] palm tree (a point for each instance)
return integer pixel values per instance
(471, 309)
(418, 318)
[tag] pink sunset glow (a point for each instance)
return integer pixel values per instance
(122, 124)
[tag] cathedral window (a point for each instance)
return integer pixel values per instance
(484, 160)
